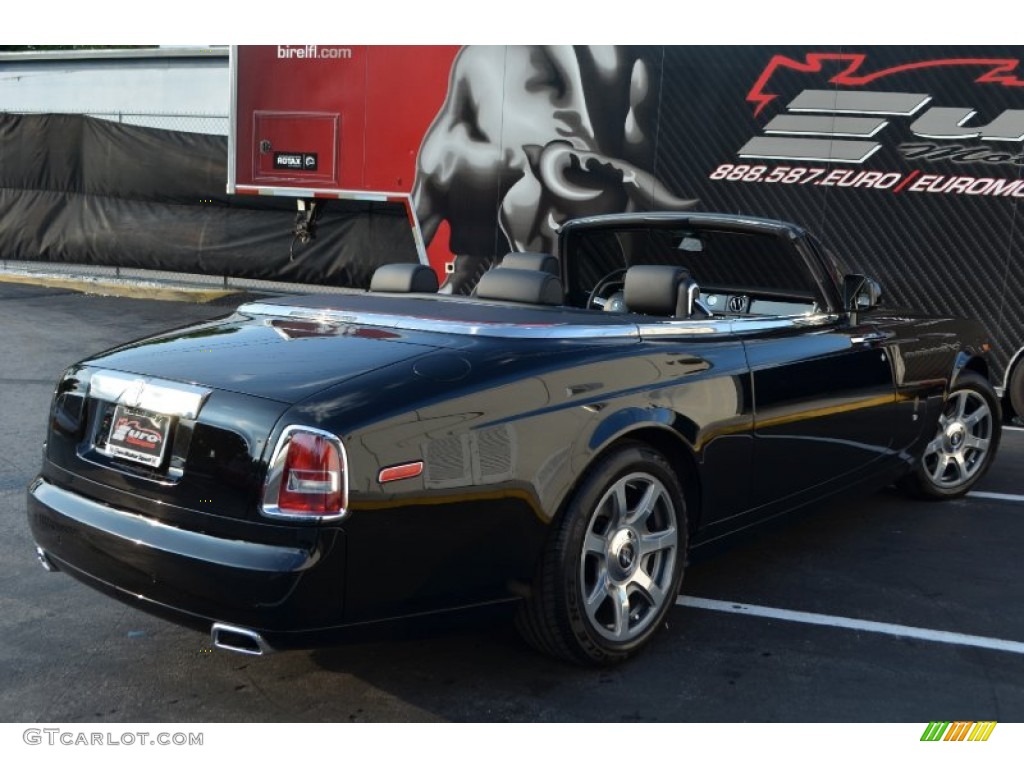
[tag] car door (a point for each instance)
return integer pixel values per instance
(824, 403)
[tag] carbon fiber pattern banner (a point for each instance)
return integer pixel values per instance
(952, 251)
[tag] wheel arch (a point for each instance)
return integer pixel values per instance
(668, 442)
(970, 362)
(682, 460)
(979, 365)
(965, 440)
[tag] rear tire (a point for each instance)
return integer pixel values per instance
(965, 442)
(613, 563)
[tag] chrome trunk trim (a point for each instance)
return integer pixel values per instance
(169, 398)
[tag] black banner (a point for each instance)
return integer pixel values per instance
(79, 190)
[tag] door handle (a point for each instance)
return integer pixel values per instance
(867, 338)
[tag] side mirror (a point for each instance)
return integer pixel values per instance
(860, 292)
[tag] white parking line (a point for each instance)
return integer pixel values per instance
(824, 620)
(998, 496)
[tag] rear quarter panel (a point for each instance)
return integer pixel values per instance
(506, 428)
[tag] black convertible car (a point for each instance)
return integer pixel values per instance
(559, 439)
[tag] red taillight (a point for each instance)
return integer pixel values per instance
(307, 476)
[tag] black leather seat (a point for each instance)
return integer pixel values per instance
(404, 278)
(542, 262)
(665, 291)
(525, 286)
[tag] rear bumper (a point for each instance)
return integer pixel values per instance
(190, 576)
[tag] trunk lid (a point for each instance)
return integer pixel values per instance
(175, 427)
(279, 358)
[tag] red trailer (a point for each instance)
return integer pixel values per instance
(322, 122)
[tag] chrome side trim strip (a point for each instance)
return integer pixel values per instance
(554, 330)
(744, 325)
(736, 326)
(170, 398)
(682, 328)
(628, 329)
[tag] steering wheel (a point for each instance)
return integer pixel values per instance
(598, 298)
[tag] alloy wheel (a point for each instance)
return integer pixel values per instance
(962, 441)
(628, 557)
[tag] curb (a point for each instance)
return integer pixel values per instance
(123, 288)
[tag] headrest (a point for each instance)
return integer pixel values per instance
(658, 290)
(526, 286)
(542, 262)
(404, 278)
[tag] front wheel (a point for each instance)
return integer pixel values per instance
(965, 441)
(614, 561)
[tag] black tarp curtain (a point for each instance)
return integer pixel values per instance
(79, 190)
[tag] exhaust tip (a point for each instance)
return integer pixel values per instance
(238, 639)
(45, 561)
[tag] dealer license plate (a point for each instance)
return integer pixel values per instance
(138, 435)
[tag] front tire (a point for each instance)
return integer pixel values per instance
(613, 563)
(965, 442)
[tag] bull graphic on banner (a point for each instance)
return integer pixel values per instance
(536, 135)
